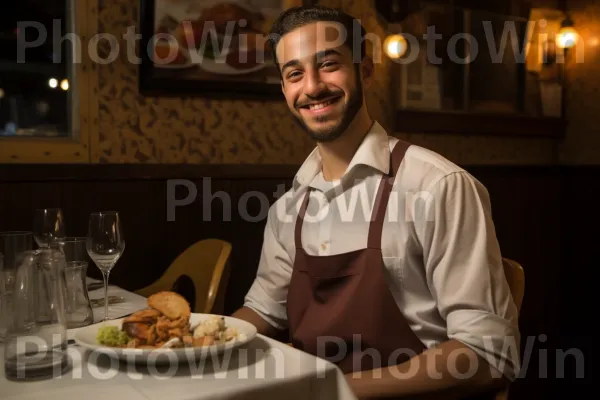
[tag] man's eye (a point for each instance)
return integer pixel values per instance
(328, 64)
(293, 74)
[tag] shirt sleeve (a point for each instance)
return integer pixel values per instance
(268, 294)
(465, 273)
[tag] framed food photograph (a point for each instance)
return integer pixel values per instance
(213, 48)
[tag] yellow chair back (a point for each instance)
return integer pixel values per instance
(515, 275)
(516, 280)
(206, 264)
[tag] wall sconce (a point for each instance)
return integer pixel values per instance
(395, 46)
(567, 36)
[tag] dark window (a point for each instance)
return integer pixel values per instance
(36, 85)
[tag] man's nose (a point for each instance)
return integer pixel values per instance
(313, 85)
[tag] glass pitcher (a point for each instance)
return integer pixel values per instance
(36, 340)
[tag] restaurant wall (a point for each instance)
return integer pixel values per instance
(138, 129)
(493, 150)
(582, 142)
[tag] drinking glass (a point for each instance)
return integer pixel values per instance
(105, 245)
(13, 245)
(49, 225)
(78, 308)
(73, 248)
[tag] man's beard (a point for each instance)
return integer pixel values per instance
(355, 103)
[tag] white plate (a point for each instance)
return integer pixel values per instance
(86, 338)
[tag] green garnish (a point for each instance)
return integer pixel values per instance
(112, 336)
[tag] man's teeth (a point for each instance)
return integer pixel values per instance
(319, 106)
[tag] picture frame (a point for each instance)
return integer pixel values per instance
(178, 55)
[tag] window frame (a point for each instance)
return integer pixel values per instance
(83, 107)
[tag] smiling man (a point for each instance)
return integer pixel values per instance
(382, 257)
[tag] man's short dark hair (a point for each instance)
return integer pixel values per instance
(297, 17)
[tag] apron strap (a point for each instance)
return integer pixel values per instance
(383, 195)
(381, 201)
(300, 220)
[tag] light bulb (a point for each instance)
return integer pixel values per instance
(64, 85)
(395, 46)
(53, 83)
(567, 37)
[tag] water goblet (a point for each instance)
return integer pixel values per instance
(49, 225)
(105, 245)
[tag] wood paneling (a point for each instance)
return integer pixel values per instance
(481, 124)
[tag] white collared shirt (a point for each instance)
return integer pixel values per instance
(442, 260)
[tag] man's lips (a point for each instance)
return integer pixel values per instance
(321, 107)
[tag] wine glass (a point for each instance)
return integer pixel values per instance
(49, 225)
(105, 245)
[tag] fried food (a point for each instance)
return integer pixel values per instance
(166, 323)
(137, 330)
(171, 305)
(147, 315)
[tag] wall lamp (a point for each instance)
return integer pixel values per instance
(395, 46)
(567, 35)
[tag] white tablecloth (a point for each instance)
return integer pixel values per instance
(133, 302)
(263, 369)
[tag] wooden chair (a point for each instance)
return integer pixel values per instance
(515, 275)
(206, 263)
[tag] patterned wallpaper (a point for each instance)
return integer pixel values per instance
(137, 129)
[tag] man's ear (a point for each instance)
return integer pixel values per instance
(367, 70)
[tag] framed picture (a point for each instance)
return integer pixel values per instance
(213, 48)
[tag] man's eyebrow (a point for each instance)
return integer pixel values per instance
(327, 52)
(290, 63)
(319, 55)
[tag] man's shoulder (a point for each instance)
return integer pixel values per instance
(435, 163)
(423, 168)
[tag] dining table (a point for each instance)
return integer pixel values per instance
(262, 368)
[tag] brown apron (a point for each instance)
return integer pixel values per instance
(340, 307)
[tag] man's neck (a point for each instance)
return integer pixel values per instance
(337, 155)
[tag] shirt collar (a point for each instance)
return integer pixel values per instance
(374, 151)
